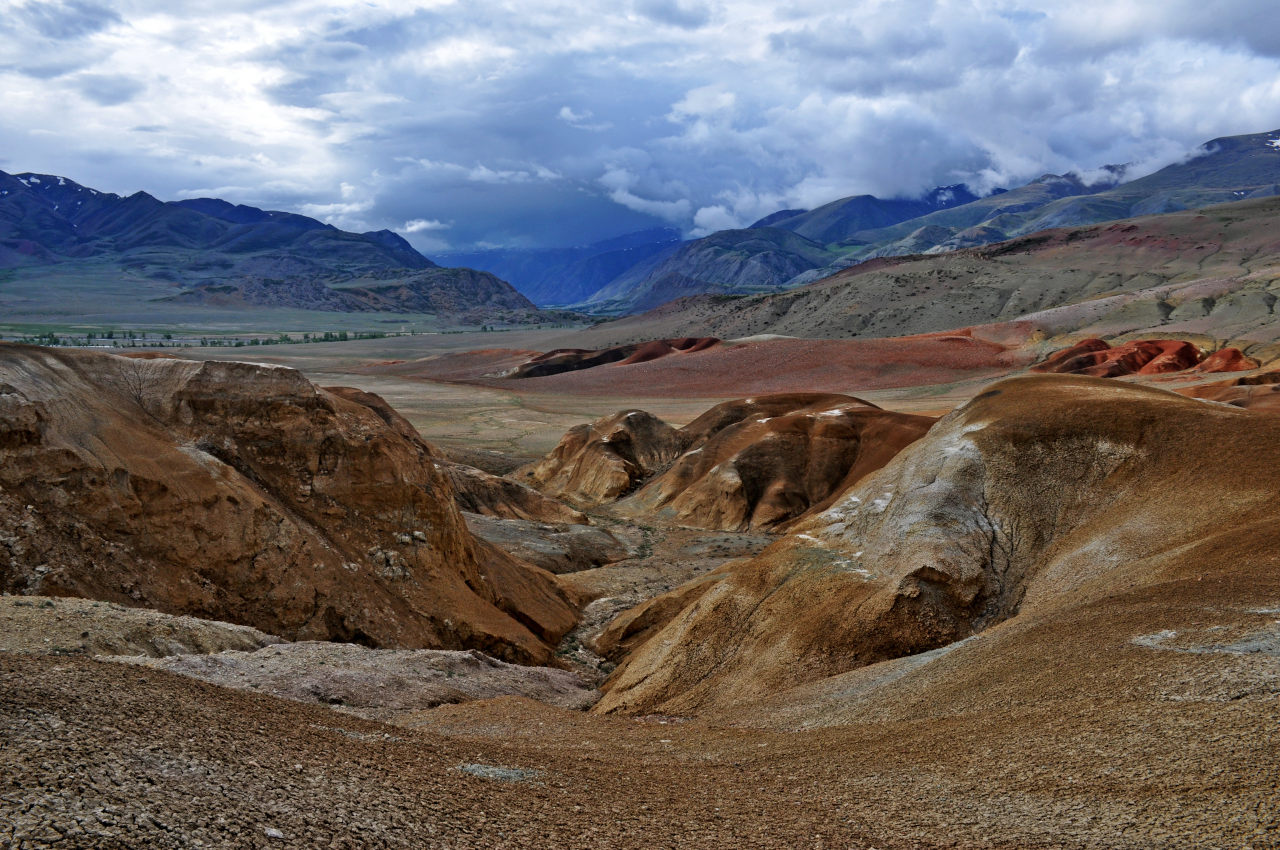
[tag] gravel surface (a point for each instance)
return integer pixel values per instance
(104, 755)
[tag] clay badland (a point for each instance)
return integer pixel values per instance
(967, 548)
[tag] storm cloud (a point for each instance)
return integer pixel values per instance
(545, 123)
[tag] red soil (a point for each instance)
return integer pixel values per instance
(767, 366)
(1097, 359)
(1227, 360)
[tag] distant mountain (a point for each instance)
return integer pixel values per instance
(1207, 274)
(853, 230)
(728, 262)
(570, 275)
(1223, 170)
(765, 256)
(44, 218)
(217, 253)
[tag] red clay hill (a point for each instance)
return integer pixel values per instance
(1099, 359)
(244, 493)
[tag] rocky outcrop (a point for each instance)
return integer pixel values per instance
(556, 547)
(1032, 499)
(759, 463)
(755, 463)
(478, 492)
(1227, 360)
(244, 493)
(602, 461)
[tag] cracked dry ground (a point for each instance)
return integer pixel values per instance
(96, 754)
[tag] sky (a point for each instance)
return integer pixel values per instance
(538, 123)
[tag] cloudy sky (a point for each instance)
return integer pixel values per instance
(546, 123)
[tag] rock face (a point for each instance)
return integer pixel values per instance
(755, 463)
(759, 463)
(1031, 500)
(602, 461)
(244, 493)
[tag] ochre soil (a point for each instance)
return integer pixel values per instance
(112, 756)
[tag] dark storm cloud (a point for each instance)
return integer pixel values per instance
(540, 122)
(689, 15)
(67, 19)
(108, 90)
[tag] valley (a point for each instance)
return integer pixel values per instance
(948, 548)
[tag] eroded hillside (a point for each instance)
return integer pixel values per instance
(245, 493)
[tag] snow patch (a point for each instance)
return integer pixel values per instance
(881, 503)
(1273, 143)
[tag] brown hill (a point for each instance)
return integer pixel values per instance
(1033, 502)
(759, 463)
(1260, 392)
(602, 461)
(754, 463)
(244, 493)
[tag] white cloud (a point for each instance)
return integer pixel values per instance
(421, 225)
(582, 120)
(545, 123)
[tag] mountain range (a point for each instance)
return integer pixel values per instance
(793, 247)
(206, 251)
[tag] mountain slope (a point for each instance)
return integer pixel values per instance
(763, 257)
(71, 220)
(214, 254)
(852, 230)
(245, 493)
(1205, 273)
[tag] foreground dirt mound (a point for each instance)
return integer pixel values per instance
(599, 462)
(1097, 358)
(576, 359)
(43, 625)
(1034, 497)
(759, 463)
(244, 493)
(380, 684)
